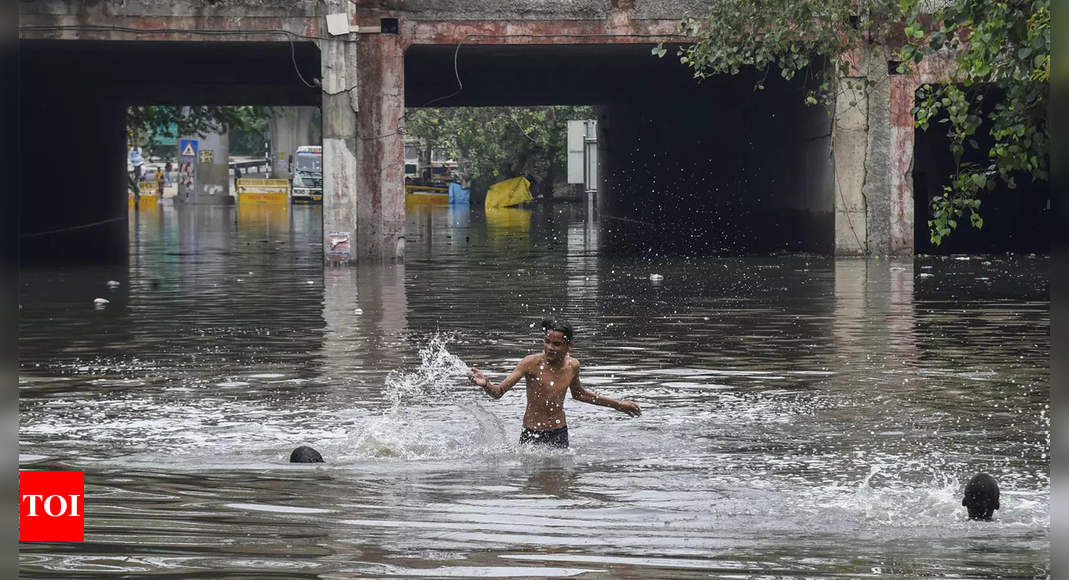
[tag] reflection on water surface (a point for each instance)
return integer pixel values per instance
(802, 415)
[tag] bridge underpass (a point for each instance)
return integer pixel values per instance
(731, 169)
(74, 95)
(686, 167)
(704, 167)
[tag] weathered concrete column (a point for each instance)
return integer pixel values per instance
(380, 219)
(878, 153)
(849, 143)
(903, 89)
(291, 127)
(340, 107)
(865, 217)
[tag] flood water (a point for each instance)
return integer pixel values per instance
(803, 416)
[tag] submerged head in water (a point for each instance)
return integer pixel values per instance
(981, 497)
(305, 454)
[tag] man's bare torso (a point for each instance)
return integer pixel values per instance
(546, 386)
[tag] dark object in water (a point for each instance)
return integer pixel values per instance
(981, 497)
(305, 454)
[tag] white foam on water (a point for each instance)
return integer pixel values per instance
(433, 413)
(892, 503)
(232, 384)
(285, 509)
(433, 381)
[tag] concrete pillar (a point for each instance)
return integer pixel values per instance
(867, 216)
(878, 153)
(211, 181)
(903, 94)
(902, 135)
(849, 143)
(340, 106)
(290, 128)
(380, 215)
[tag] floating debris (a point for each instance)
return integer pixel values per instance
(656, 278)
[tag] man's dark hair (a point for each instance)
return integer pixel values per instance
(305, 454)
(981, 497)
(561, 326)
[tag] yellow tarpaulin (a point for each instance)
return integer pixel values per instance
(508, 192)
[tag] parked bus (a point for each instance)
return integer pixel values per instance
(307, 181)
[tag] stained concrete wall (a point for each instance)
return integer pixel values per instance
(205, 13)
(523, 10)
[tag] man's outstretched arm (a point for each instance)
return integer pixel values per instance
(496, 391)
(581, 394)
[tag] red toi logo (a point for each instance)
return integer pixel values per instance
(51, 506)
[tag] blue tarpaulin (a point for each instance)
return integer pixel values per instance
(458, 195)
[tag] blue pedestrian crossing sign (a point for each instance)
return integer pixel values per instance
(187, 148)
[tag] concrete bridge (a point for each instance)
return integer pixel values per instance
(713, 163)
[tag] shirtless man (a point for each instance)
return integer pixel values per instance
(548, 375)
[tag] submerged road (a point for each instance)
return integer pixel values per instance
(802, 415)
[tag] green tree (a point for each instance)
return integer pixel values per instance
(145, 122)
(1001, 83)
(1002, 53)
(495, 143)
(792, 38)
(249, 134)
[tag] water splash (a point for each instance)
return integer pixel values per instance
(433, 412)
(434, 381)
